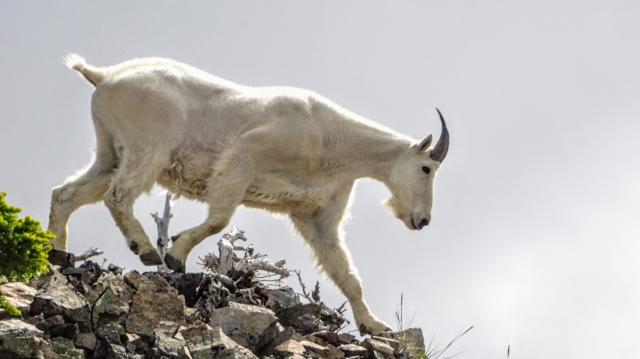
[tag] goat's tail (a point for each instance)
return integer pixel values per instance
(93, 74)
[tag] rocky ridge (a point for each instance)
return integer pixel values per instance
(88, 311)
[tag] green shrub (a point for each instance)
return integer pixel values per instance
(4, 304)
(24, 247)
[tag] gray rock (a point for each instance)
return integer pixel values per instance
(133, 342)
(113, 281)
(410, 340)
(64, 330)
(351, 350)
(346, 338)
(133, 279)
(154, 302)
(16, 326)
(63, 348)
(109, 308)
(280, 298)
(19, 295)
(236, 353)
(244, 323)
(110, 333)
(200, 338)
(20, 340)
(312, 347)
(325, 337)
(86, 341)
(395, 344)
(115, 351)
(205, 342)
(57, 296)
(276, 335)
(187, 284)
(289, 347)
(168, 347)
(379, 346)
(61, 258)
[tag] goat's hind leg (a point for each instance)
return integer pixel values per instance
(84, 189)
(138, 172)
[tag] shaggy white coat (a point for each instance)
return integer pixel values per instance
(282, 149)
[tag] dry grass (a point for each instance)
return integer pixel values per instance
(432, 351)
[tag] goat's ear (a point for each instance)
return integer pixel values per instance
(424, 144)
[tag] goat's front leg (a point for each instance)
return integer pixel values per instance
(225, 191)
(184, 242)
(321, 231)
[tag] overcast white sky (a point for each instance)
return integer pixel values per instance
(535, 235)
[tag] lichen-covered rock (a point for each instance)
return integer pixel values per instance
(115, 282)
(168, 347)
(213, 295)
(110, 333)
(65, 330)
(187, 284)
(19, 339)
(410, 340)
(354, 350)
(115, 351)
(57, 296)
(379, 346)
(133, 279)
(205, 342)
(200, 338)
(63, 348)
(236, 353)
(244, 323)
(316, 348)
(154, 302)
(346, 338)
(110, 307)
(280, 298)
(86, 341)
(17, 294)
(133, 343)
(289, 347)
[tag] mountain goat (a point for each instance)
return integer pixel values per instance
(282, 149)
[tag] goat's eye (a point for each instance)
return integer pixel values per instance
(426, 169)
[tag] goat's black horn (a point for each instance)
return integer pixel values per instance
(441, 148)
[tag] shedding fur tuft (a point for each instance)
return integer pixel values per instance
(77, 63)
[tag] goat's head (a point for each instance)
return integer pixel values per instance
(411, 180)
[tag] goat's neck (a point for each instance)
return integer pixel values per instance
(373, 151)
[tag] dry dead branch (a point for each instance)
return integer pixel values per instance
(162, 224)
(91, 252)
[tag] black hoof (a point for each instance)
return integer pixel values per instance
(134, 247)
(151, 258)
(174, 263)
(363, 330)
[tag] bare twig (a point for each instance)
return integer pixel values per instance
(315, 295)
(162, 224)
(303, 288)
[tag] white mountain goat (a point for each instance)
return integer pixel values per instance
(281, 149)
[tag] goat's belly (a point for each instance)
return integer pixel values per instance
(283, 196)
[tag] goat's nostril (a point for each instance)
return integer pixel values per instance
(423, 222)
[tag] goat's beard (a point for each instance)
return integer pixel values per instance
(393, 205)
